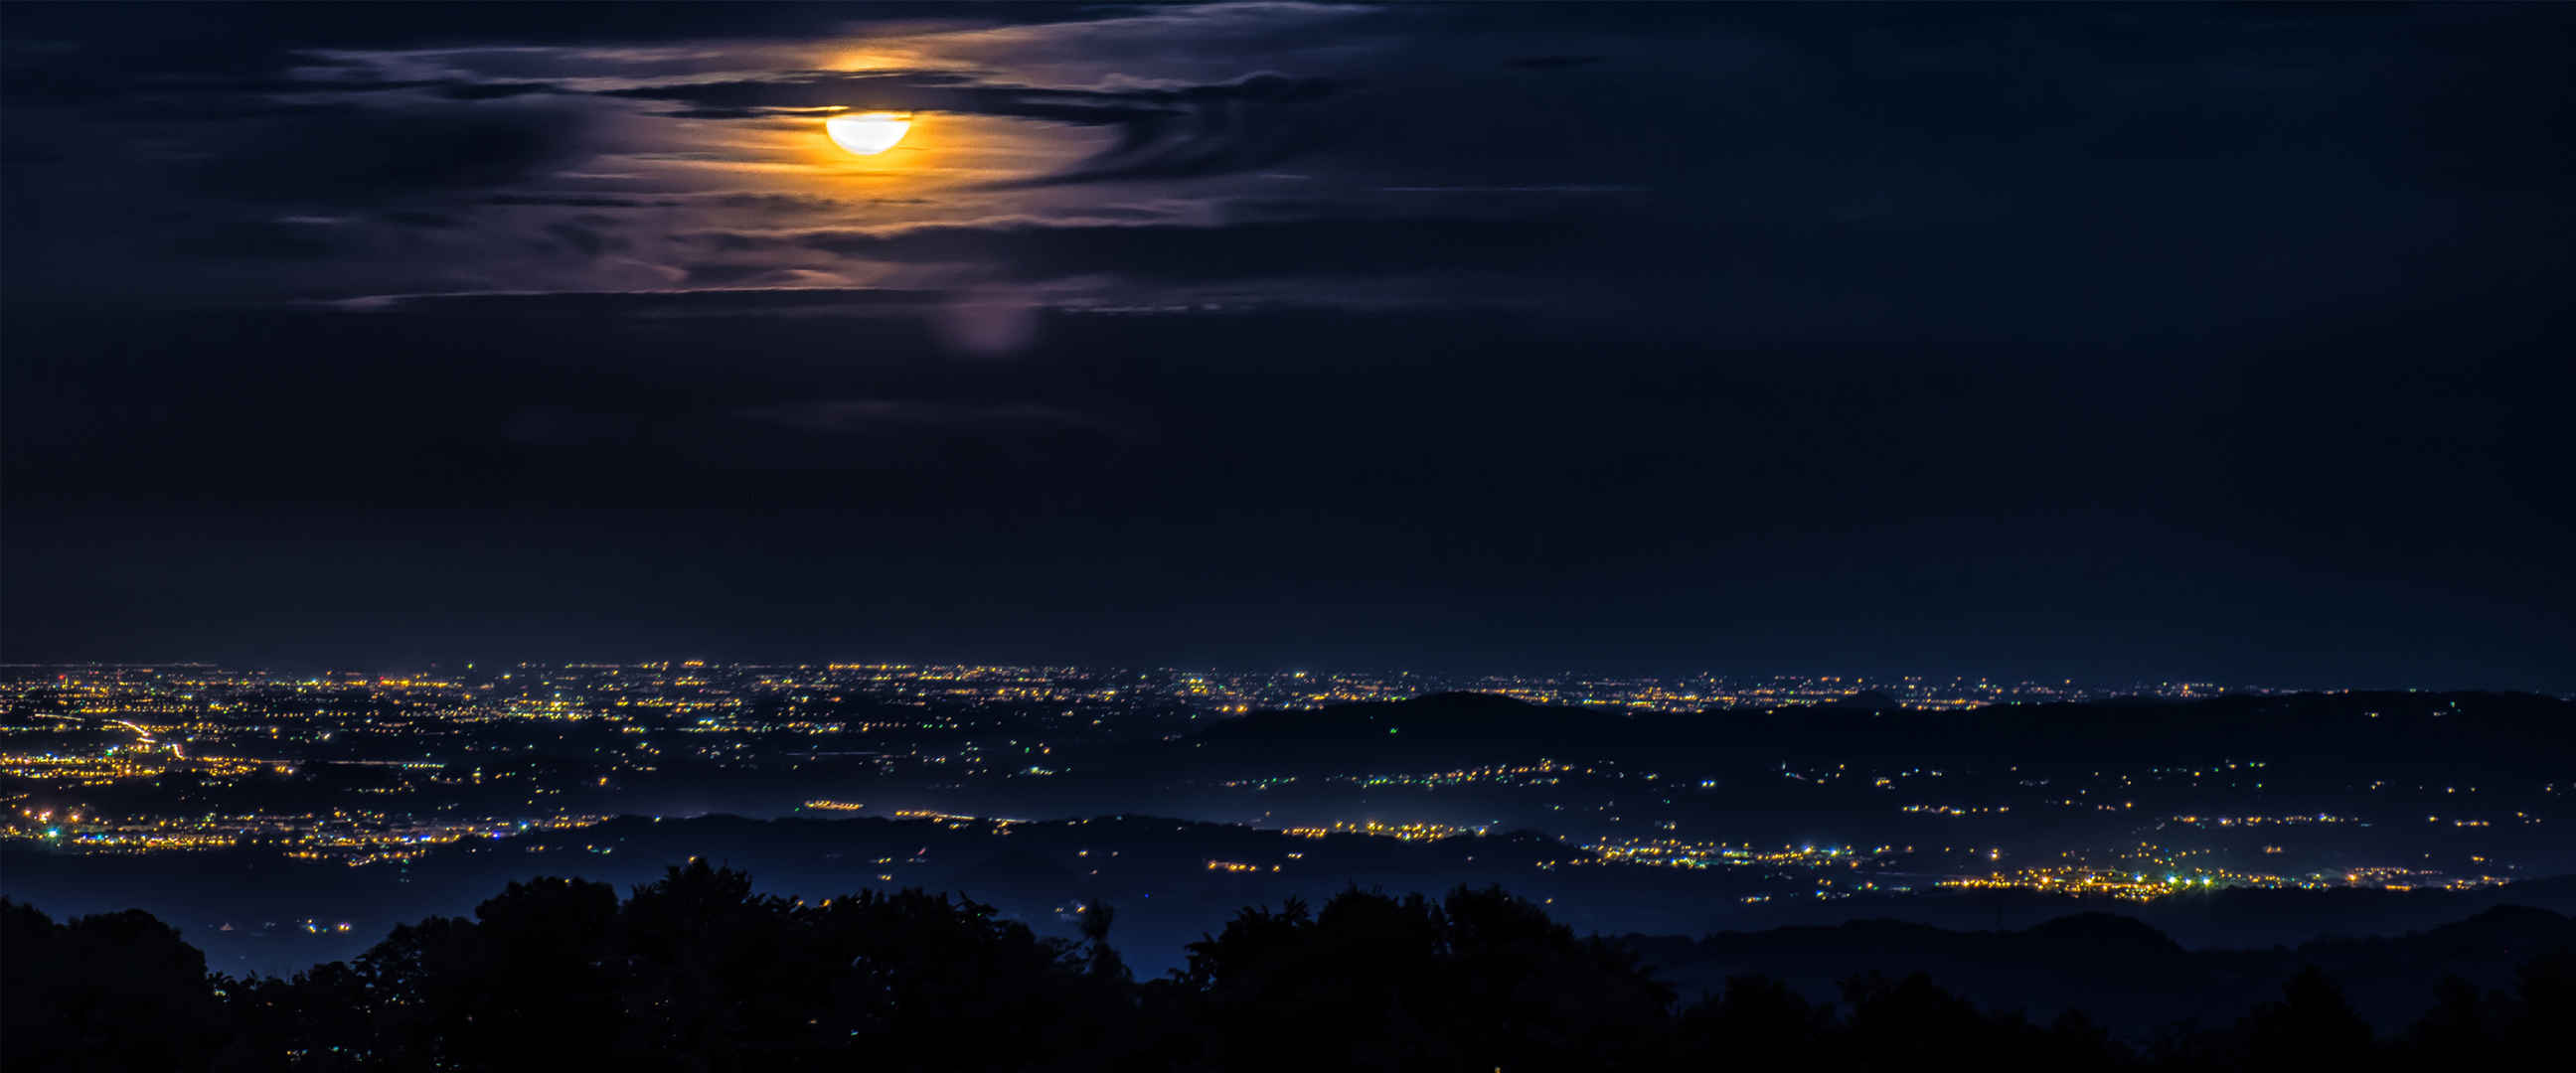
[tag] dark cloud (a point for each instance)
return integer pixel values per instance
(470, 306)
(581, 201)
(233, 37)
(1239, 126)
(783, 203)
(352, 154)
(421, 218)
(493, 91)
(1164, 132)
(161, 131)
(587, 237)
(566, 426)
(1350, 247)
(948, 91)
(260, 239)
(714, 274)
(901, 417)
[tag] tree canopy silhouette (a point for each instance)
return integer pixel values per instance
(698, 971)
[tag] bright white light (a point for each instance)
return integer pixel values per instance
(867, 133)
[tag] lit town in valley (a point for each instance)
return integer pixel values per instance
(1736, 803)
(1277, 536)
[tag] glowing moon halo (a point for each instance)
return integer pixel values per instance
(867, 133)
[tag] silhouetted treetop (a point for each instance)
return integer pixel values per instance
(700, 971)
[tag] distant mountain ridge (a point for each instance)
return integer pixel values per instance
(2134, 977)
(2516, 732)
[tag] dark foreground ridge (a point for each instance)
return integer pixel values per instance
(697, 972)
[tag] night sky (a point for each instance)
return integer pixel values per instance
(2223, 343)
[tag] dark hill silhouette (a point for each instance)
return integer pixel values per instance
(2127, 976)
(1017, 869)
(2109, 933)
(1867, 700)
(1445, 726)
(697, 971)
(2502, 732)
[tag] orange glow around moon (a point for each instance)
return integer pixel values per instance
(867, 133)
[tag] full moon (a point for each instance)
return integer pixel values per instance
(867, 133)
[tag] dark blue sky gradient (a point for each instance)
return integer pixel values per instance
(2091, 341)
